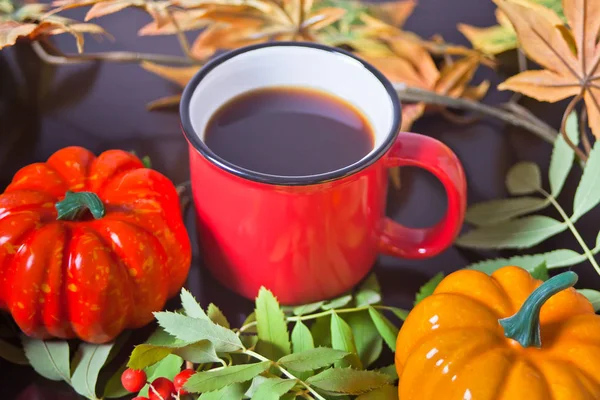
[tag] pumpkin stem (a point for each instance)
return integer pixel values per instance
(75, 205)
(524, 326)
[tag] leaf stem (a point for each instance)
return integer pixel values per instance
(339, 311)
(285, 372)
(183, 42)
(111, 56)
(583, 121)
(588, 253)
(582, 156)
(531, 123)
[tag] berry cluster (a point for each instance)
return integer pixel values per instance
(160, 389)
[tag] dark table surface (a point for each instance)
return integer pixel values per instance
(102, 106)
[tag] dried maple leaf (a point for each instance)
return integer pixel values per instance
(570, 56)
(502, 37)
(184, 20)
(32, 22)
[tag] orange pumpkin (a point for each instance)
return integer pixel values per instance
(501, 337)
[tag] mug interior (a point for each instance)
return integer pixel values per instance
(292, 65)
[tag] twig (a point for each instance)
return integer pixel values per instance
(583, 121)
(183, 42)
(112, 56)
(522, 60)
(582, 156)
(531, 123)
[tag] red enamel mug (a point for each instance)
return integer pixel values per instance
(308, 238)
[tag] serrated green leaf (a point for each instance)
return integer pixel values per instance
(348, 380)
(516, 234)
(541, 272)
(145, 355)
(217, 316)
(273, 389)
(250, 319)
(114, 388)
(289, 396)
(208, 381)
(166, 368)
(254, 385)
(553, 259)
(321, 331)
(12, 353)
(92, 358)
(191, 307)
(301, 338)
(369, 292)
(230, 392)
(48, 358)
(307, 308)
(387, 392)
(273, 336)
(386, 329)
(400, 313)
(312, 359)
(593, 296)
(162, 338)
(429, 287)
(343, 339)
(563, 155)
(587, 195)
(194, 330)
(390, 371)
(524, 178)
(369, 343)
(338, 302)
(496, 211)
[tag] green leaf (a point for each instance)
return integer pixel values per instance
(273, 336)
(587, 195)
(273, 389)
(166, 368)
(312, 359)
(563, 155)
(390, 371)
(230, 392)
(308, 308)
(553, 259)
(208, 381)
(48, 358)
(348, 381)
(338, 302)
(516, 234)
(593, 296)
(496, 211)
(217, 316)
(524, 178)
(92, 358)
(400, 313)
(301, 338)
(321, 331)
(387, 392)
(386, 329)
(161, 338)
(191, 307)
(12, 353)
(147, 161)
(114, 388)
(429, 287)
(343, 339)
(250, 319)
(369, 343)
(194, 330)
(369, 292)
(145, 355)
(541, 272)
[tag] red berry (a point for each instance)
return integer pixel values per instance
(181, 378)
(133, 380)
(140, 398)
(163, 389)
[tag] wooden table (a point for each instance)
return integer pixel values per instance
(102, 106)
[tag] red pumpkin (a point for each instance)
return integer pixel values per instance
(96, 261)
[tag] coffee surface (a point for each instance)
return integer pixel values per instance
(289, 132)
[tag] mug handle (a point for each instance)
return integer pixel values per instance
(411, 149)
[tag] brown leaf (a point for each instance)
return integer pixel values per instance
(455, 77)
(322, 18)
(565, 73)
(393, 13)
(187, 20)
(178, 75)
(164, 102)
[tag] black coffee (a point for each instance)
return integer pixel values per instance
(289, 131)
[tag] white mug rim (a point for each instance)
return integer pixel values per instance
(281, 180)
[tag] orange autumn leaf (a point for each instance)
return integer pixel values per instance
(187, 20)
(178, 75)
(393, 13)
(567, 71)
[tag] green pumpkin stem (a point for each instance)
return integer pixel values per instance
(75, 204)
(524, 326)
